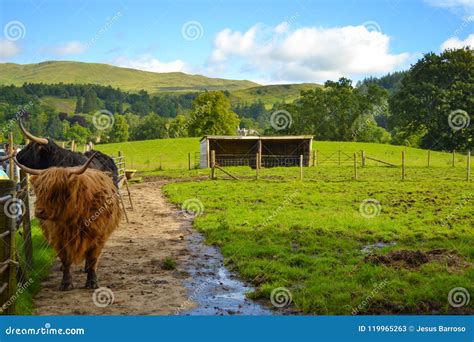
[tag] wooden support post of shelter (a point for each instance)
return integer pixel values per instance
(257, 157)
(403, 165)
(8, 262)
(301, 167)
(355, 166)
(213, 164)
(314, 157)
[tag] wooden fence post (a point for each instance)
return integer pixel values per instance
(301, 167)
(8, 263)
(468, 171)
(363, 158)
(454, 153)
(257, 156)
(314, 157)
(403, 165)
(26, 221)
(429, 158)
(355, 166)
(213, 164)
(189, 161)
(11, 164)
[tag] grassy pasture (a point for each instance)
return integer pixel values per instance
(172, 154)
(312, 238)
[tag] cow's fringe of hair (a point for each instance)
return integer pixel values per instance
(69, 201)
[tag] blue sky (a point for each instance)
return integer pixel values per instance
(265, 41)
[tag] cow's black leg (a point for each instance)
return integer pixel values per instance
(91, 260)
(86, 266)
(66, 283)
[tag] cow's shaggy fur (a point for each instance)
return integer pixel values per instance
(77, 213)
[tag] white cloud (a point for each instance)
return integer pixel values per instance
(280, 54)
(456, 43)
(466, 6)
(8, 48)
(149, 63)
(70, 48)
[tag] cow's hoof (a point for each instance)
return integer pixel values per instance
(92, 284)
(66, 287)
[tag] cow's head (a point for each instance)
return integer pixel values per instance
(54, 188)
(37, 154)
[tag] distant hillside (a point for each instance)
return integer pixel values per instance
(123, 78)
(271, 94)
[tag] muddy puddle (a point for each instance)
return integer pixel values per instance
(214, 289)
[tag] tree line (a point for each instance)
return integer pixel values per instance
(428, 106)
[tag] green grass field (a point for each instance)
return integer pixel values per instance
(310, 236)
(172, 154)
(315, 237)
(43, 259)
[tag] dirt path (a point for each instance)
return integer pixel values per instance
(130, 265)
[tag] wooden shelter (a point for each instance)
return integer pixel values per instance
(242, 150)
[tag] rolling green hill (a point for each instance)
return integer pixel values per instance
(123, 78)
(270, 94)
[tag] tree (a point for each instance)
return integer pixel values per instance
(90, 102)
(212, 115)
(332, 112)
(119, 130)
(78, 105)
(78, 133)
(178, 127)
(152, 126)
(435, 101)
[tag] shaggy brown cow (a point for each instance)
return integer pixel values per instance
(78, 209)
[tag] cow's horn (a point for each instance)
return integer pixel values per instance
(30, 136)
(27, 169)
(81, 169)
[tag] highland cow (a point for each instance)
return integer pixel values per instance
(78, 209)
